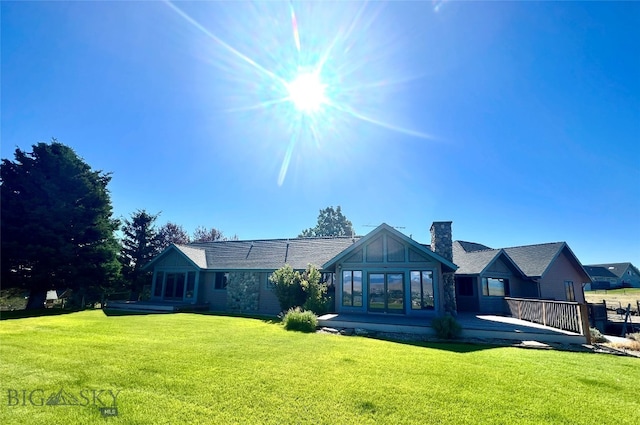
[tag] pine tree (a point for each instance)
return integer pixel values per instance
(57, 225)
(139, 245)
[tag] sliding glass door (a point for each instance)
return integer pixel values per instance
(386, 292)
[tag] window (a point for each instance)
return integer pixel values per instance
(269, 285)
(328, 279)
(170, 285)
(395, 250)
(494, 287)
(157, 291)
(568, 287)
(374, 251)
(191, 284)
(352, 288)
(422, 290)
(221, 280)
(464, 285)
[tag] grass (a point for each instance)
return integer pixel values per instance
(191, 368)
(624, 296)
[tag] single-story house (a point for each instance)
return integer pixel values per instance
(382, 272)
(613, 275)
(543, 271)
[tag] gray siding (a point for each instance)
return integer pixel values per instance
(268, 301)
(552, 283)
(217, 298)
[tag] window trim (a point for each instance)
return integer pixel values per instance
(225, 280)
(351, 282)
(569, 290)
(486, 288)
(423, 307)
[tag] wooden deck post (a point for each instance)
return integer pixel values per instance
(544, 313)
(584, 321)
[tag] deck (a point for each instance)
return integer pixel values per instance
(486, 327)
(153, 307)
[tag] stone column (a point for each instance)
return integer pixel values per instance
(442, 244)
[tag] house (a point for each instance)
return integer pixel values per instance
(543, 271)
(383, 272)
(613, 275)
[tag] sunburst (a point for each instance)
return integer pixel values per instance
(299, 86)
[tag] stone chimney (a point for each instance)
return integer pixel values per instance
(442, 244)
(441, 240)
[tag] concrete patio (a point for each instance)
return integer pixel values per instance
(489, 327)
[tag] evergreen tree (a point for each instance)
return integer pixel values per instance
(57, 225)
(140, 244)
(331, 222)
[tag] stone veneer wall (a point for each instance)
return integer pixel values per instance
(243, 291)
(442, 244)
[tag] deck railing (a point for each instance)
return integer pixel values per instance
(569, 316)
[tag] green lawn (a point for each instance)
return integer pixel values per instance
(190, 368)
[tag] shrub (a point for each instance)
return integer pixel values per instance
(446, 327)
(316, 292)
(297, 319)
(295, 289)
(596, 336)
(634, 336)
(286, 285)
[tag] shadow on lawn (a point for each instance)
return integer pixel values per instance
(264, 318)
(22, 314)
(455, 346)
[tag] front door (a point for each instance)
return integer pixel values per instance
(386, 292)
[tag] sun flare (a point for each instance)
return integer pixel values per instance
(318, 79)
(307, 92)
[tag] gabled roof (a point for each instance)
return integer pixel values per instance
(471, 246)
(618, 269)
(473, 260)
(448, 266)
(534, 260)
(599, 271)
(196, 255)
(531, 260)
(269, 254)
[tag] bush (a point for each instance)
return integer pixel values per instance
(286, 285)
(316, 292)
(634, 336)
(596, 336)
(297, 319)
(295, 289)
(446, 327)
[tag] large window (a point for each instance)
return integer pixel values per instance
(352, 288)
(191, 284)
(494, 287)
(177, 286)
(568, 287)
(422, 290)
(221, 280)
(157, 291)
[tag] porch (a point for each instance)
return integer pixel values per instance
(474, 326)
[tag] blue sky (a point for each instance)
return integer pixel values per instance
(518, 121)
